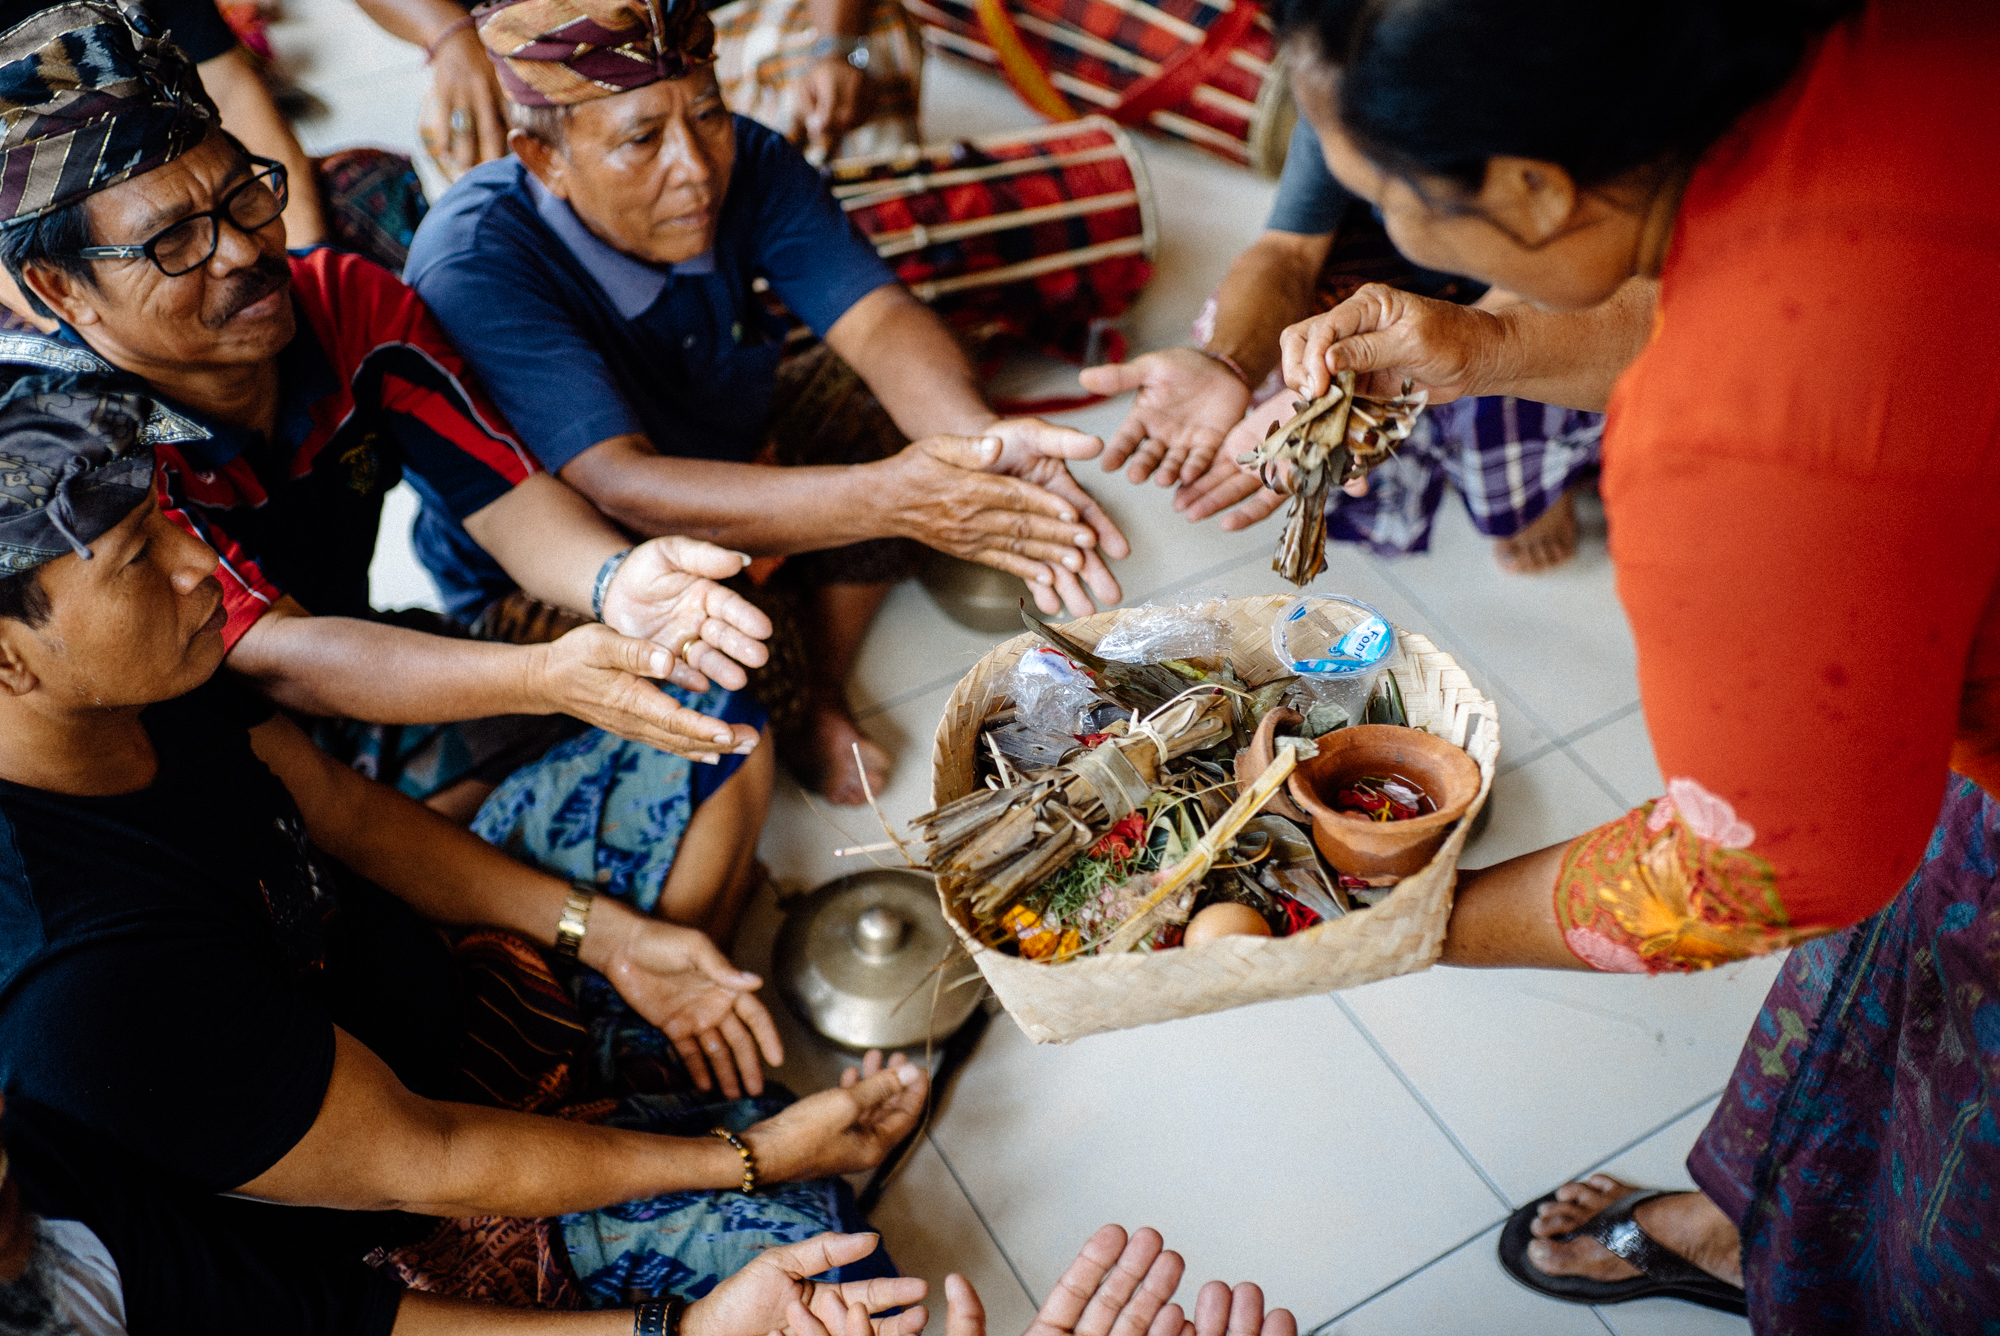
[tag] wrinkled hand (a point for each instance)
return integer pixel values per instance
(833, 99)
(759, 1299)
(1039, 452)
(666, 592)
(677, 979)
(1120, 1286)
(1228, 483)
(1389, 336)
(462, 80)
(1186, 404)
(951, 493)
(843, 1131)
(599, 676)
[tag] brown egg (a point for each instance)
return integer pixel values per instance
(1225, 918)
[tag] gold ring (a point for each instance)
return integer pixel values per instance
(691, 640)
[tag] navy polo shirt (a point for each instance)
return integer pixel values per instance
(578, 342)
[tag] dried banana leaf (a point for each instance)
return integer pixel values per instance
(1333, 440)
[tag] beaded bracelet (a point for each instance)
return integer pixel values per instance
(749, 1160)
(1228, 362)
(659, 1317)
(602, 586)
(430, 52)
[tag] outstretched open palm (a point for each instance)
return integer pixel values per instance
(667, 592)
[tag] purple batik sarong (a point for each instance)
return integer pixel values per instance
(1857, 1146)
(1510, 460)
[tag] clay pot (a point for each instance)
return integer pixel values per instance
(1383, 852)
(1255, 759)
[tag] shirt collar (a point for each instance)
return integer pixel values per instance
(305, 376)
(632, 285)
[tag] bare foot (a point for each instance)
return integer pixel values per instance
(1686, 1224)
(830, 742)
(1543, 545)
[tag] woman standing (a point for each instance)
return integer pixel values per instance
(1802, 479)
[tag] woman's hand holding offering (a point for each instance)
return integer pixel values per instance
(1389, 336)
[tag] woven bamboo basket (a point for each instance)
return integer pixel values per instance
(1404, 933)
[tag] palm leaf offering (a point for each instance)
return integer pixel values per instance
(1096, 842)
(1333, 440)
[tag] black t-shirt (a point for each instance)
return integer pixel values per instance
(173, 961)
(192, 1264)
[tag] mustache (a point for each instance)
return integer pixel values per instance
(268, 275)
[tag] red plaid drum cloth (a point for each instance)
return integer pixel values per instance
(1201, 70)
(1037, 234)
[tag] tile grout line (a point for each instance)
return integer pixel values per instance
(984, 1223)
(1423, 1103)
(1458, 1247)
(1644, 1137)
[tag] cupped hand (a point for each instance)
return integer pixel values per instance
(1121, 1285)
(677, 979)
(666, 592)
(1186, 404)
(599, 676)
(757, 1300)
(948, 492)
(1389, 336)
(1040, 452)
(833, 99)
(1227, 483)
(462, 80)
(846, 1130)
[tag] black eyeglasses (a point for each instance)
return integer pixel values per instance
(188, 244)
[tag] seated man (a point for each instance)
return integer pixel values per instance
(1513, 461)
(222, 950)
(92, 1243)
(604, 281)
(294, 394)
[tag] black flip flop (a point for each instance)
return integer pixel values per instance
(1662, 1274)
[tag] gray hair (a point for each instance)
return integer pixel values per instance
(548, 124)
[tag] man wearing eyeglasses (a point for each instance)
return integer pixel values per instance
(302, 389)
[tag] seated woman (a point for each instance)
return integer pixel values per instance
(222, 950)
(92, 1243)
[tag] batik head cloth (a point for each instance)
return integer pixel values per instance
(555, 53)
(89, 98)
(75, 459)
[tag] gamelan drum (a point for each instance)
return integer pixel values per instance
(1205, 71)
(1041, 234)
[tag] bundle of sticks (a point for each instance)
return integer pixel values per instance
(993, 846)
(1333, 440)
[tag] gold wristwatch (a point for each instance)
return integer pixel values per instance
(574, 922)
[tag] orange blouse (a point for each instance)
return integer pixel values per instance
(1802, 479)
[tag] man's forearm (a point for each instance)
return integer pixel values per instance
(745, 507)
(1571, 358)
(912, 361)
(346, 668)
(415, 21)
(549, 539)
(1270, 286)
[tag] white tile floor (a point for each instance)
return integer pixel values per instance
(1354, 1153)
